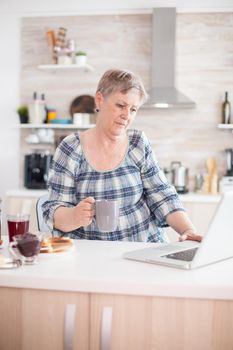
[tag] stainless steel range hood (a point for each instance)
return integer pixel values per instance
(163, 93)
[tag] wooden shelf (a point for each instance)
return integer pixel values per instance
(60, 67)
(225, 126)
(55, 126)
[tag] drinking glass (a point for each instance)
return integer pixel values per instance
(26, 247)
(18, 224)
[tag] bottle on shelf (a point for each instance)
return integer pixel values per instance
(44, 108)
(36, 110)
(226, 110)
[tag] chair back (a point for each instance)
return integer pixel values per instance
(42, 226)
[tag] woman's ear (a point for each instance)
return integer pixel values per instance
(98, 100)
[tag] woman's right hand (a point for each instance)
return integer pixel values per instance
(84, 211)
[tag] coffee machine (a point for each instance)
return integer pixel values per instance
(229, 161)
(36, 168)
(226, 182)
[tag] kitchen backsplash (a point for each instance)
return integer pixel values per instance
(204, 71)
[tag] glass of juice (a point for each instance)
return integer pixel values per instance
(18, 224)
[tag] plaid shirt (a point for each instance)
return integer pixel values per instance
(145, 197)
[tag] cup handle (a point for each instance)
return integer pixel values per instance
(11, 247)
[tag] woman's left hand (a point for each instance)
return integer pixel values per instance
(190, 235)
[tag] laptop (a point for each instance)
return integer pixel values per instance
(216, 245)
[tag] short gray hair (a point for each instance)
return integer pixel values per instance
(116, 80)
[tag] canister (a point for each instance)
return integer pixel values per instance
(51, 114)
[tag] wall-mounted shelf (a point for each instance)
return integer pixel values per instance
(66, 67)
(225, 126)
(55, 126)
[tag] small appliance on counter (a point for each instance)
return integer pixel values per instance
(36, 168)
(229, 161)
(179, 177)
(226, 182)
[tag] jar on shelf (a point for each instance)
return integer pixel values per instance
(80, 58)
(51, 114)
(63, 57)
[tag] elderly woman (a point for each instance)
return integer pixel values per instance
(112, 161)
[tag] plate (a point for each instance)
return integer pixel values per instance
(6, 263)
(56, 245)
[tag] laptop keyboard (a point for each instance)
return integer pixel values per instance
(185, 255)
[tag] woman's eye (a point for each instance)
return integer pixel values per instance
(120, 106)
(133, 110)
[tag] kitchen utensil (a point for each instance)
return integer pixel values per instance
(179, 177)
(211, 180)
(82, 104)
(199, 179)
(168, 174)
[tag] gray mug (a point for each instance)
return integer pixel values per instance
(107, 214)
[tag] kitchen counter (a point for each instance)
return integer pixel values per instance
(23, 192)
(189, 197)
(200, 198)
(98, 267)
(200, 207)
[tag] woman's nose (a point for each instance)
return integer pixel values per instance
(126, 114)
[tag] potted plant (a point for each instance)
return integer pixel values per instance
(23, 114)
(80, 58)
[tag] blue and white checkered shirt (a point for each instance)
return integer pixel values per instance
(145, 197)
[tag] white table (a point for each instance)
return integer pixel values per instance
(147, 302)
(98, 266)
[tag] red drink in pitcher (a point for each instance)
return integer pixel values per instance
(17, 225)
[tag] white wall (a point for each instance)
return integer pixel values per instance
(9, 96)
